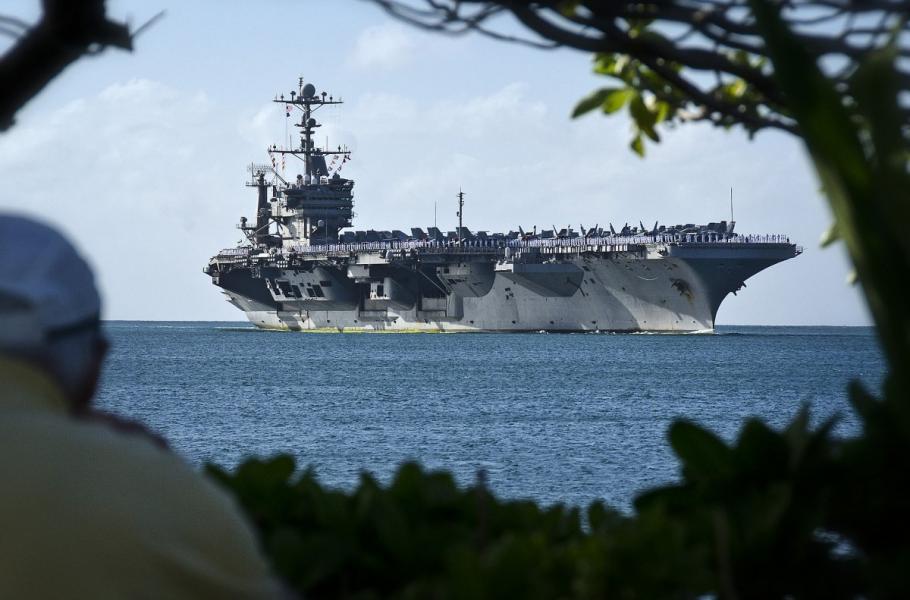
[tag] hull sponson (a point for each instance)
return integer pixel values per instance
(245, 290)
(667, 289)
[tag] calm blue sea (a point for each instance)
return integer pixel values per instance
(553, 417)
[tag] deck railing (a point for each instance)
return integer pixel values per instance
(498, 246)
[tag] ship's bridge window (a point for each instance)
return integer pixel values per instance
(284, 287)
(325, 283)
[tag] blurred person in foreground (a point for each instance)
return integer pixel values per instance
(90, 506)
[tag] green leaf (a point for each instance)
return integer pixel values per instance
(610, 64)
(770, 512)
(864, 403)
(640, 113)
(276, 470)
(734, 90)
(644, 118)
(616, 99)
(759, 449)
(592, 101)
(830, 236)
(663, 110)
(703, 454)
(568, 8)
(876, 87)
(639, 28)
(638, 145)
(652, 133)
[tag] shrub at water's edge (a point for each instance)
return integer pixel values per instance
(775, 513)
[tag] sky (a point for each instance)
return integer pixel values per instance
(140, 158)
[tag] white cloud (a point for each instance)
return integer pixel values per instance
(136, 175)
(383, 46)
(480, 116)
(256, 126)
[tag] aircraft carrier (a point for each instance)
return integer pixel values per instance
(301, 267)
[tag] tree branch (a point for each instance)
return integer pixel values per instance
(67, 31)
(718, 36)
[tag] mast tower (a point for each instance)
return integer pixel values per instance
(315, 206)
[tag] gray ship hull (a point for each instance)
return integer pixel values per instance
(656, 287)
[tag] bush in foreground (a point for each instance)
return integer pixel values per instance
(789, 513)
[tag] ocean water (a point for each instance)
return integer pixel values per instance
(554, 417)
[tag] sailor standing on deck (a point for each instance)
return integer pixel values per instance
(87, 509)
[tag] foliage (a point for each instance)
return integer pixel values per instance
(687, 61)
(419, 537)
(775, 514)
(653, 99)
(646, 109)
(860, 154)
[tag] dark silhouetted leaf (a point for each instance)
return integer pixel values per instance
(703, 454)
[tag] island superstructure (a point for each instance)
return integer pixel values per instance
(301, 267)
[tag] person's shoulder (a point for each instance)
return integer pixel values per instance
(135, 457)
(172, 509)
(125, 474)
(140, 511)
(100, 442)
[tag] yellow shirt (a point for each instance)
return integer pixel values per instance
(88, 512)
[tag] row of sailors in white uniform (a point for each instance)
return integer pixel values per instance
(304, 180)
(548, 243)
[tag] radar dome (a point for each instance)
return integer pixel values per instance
(309, 90)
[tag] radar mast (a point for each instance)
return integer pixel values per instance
(310, 209)
(308, 102)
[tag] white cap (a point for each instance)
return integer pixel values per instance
(46, 288)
